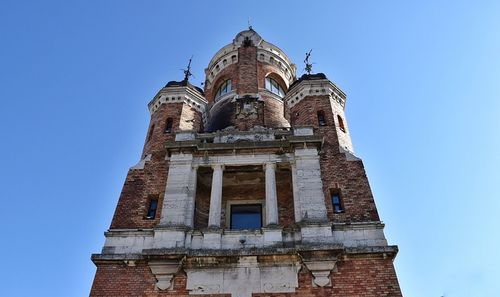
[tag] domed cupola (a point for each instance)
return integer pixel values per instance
(246, 82)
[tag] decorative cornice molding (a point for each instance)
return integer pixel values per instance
(322, 87)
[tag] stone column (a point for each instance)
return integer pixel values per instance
(191, 193)
(216, 197)
(179, 185)
(296, 198)
(271, 196)
(309, 186)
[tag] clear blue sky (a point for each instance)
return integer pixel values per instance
(423, 86)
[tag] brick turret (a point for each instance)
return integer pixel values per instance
(249, 187)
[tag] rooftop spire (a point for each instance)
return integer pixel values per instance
(187, 71)
(308, 63)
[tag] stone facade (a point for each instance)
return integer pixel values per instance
(270, 146)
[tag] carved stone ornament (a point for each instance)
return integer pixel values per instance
(321, 271)
(164, 272)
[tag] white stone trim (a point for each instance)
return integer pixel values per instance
(263, 47)
(179, 191)
(179, 94)
(320, 270)
(244, 278)
(164, 272)
(243, 159)
(214, 215)
(271, 194)
(309, 186)
(313, 88)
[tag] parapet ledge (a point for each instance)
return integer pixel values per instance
(317, 87)
(303, 249)
(357, 226)
(259, 137)
(128, 232)
(179, 94)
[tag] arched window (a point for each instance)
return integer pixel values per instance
(341, 123)
(274, 87)
(321, 118)
(224, 88)
(168, 125)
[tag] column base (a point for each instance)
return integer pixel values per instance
(170, 237)
(273, 235)
(212, 238)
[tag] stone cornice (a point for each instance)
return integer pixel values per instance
(390, 251)
(182, 94)
(320, 87)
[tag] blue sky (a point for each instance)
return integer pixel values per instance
(423, 86)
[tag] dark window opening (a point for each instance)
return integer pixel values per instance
(336, 202)
(150, 133)
(168, 125)
(153, 206)
(341, 123)
(321, 118)
(246, 216)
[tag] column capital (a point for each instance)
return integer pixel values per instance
(270, 165)
(218, 166)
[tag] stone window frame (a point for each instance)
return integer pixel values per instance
(229, 203)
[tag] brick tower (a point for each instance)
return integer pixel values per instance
(249, 187)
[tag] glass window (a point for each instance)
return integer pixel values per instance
(337, 205)
(153, 205)
(274, 87)
(224, 88)
(246, 216)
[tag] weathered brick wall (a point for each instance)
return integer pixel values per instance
(247, 70)
(247, 76)
(120, 280)
(230, 72)
(142, 184)
(360, 276)
(274, 112)
(138, 188)
(336, 171)
(156, 136)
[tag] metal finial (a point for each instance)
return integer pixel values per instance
(308, 64)
(249, 25)
(187, 71)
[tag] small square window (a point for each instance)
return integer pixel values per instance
(153, 206)
(246, 216)
(336, 202)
